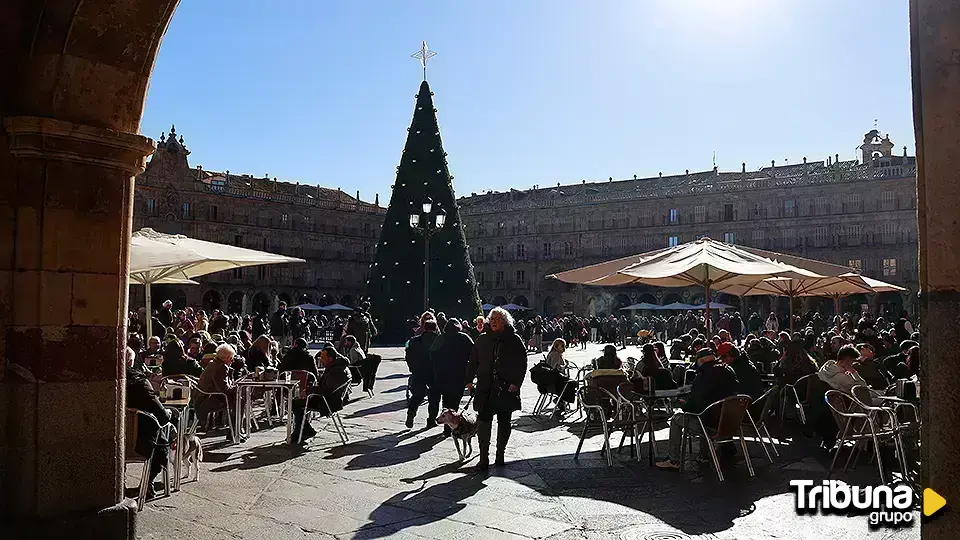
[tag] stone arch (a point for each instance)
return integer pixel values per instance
(551, 307)
(672, 297)
(325, 300)
(284, 297)
(179, 298)
(211, 301)
(235, 302)
(499, 301)
(889, 305)
(646, 297)
(619, 301)
(521, 300)
(347, 300)
(261, 303)
(853, 303)
(304, 298)
(697, 298)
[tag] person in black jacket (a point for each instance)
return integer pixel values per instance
(176, 361)
(280, 325)
(142, 397)
(417, 355)
(747, 374)
(499, 362)
(298, 358)
(449, 356)
(714, 381)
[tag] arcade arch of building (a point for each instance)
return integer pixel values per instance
(76, 75)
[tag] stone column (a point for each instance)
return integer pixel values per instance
(66, 194)
(935, 42)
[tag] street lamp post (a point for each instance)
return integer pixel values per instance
(427, 229)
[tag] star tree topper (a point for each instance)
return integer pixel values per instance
(424, 55)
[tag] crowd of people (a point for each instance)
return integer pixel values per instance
(217, 352)
(285, 324)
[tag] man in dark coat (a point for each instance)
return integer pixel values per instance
(747, 374)
(298, 358)
(714, 381)
(330, 386)
(165, 315)
(141, 396)
(499, 362)
(736, 328)
(361, 327)
(449, 356)
(417, 355)
(280, 325)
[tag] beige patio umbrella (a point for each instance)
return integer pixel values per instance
(172, 258)
(711, 264)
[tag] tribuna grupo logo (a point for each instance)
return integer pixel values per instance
(884, 506)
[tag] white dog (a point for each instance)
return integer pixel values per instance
(463, 427)
(192, 455)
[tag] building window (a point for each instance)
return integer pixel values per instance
(889, 232)
(481, 229)
(853, 234)
(238, 273)
(521, 277)
(283, 219)
(728, 212)
(212, 212)
(186, 210)
(820, 236)
(481, 280)
(700, 213)
(789, 238)
(673, 241)
(821, 205)
(263, 272)
(479, 253)
(889, 267)
(567, 249)
(789, 208)
(499, 252)
(674, 215)
(856, 265)
(728, 237)
(853, 203)
(758, 237)
(521, 251)
(498, 278)
(888, 200)
(151, 207)
(547, 250)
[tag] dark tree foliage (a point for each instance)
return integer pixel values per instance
(396, 277)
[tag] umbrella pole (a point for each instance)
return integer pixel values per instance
(836, 305)
(790, 311)
(149, 313)
(709, 330)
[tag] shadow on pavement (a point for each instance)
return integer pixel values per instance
(393, 406)
(256, 457)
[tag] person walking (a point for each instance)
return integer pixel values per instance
(499, 363)
(417, 355)
(280, 325)
(449, 357)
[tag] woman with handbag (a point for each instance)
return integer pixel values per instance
(499, 363)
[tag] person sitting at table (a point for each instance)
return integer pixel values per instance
(866, 366)
(747, 374)
(140, 395)
(335, 374)
(258, 356)
(195, 348)
(714, 381)
(650, 366)
(841, 374)
(216, 379)
(609, 360)
(794, 364)
(209, 353)
(299, 358)
(151, 355)
(176, 361)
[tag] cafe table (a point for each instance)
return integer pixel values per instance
(649, 399)
(245, 390)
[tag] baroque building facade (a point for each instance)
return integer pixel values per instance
(336, 233)
(858, 213)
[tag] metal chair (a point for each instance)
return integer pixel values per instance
(600, 401)
(729, 429)
(132, 424)
(900, 423)
(762, 406)
(234, 430)
(861, 424)
(339, 393)
(809, 385)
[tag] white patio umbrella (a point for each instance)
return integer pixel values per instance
(711, 264)
(172, 258)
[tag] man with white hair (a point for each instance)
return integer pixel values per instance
(499, 363)
(165, 316)
(216, 380)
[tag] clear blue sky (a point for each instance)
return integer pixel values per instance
(529, 91)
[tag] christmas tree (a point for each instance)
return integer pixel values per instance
(396, 285)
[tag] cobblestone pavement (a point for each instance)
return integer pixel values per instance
(390, 482)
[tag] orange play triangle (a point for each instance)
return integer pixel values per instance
(932, 501)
